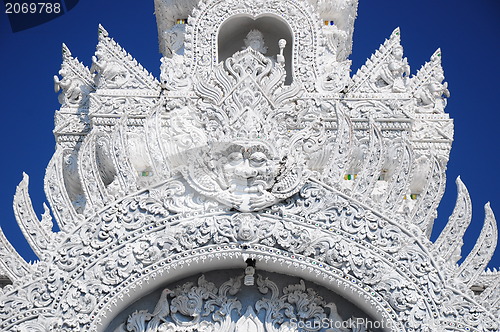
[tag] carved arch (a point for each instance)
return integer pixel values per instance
(362, 296)
(233, 31)
(201, 34)
(137, 244)
(222, 300)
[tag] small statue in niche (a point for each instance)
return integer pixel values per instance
(392, 76)
(431, 96)
(255, 40)
(110, 73)
(174, 39)
(280, 57)
(72, 93)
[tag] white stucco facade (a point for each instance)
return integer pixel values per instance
(257, 185)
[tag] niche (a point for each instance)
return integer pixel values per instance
(233, 32)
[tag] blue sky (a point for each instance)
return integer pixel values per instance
(466, 31)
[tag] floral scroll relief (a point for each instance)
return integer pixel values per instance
(257, 144)
(75, 84)
(114, 68)
(201, 48)
(386, 71)
(206, 307)
(429, 87)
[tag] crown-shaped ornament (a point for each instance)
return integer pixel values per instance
(256, 136)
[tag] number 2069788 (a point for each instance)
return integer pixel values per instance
(33, 8)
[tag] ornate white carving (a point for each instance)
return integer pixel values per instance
(201, 48)
(149, 241)
(491, 295)
(96, 195)
(475, 263)
(255, 40)
(329, 178)
(385, 71)
(38, 233)
(76, 82)
(75, 85)
(116, 69)
(429, 88)
(12, 264)
(424, 212)
(339, 26)
(174, 75)
(64, 209)
(206, 307)
(167, 13)
(450, 241)
(174, 40)
(242, 106)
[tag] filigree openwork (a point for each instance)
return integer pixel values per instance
(205, 307)
(201, 48)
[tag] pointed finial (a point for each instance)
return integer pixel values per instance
(436, 56)
(24, 182)
(101, 32)
(26, 178)
(396, 33)
(395, 38)
(66, 53)
(65, 50)
(460, 184)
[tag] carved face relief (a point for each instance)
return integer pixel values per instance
(255, 40)
(174, 38)
(248, 172)
(246, 226)
(398, 52)
(240, 175)
(249, 160)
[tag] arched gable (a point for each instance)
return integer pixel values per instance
(205, 24)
